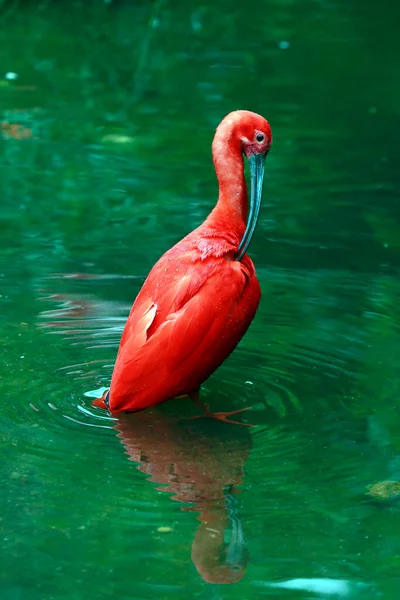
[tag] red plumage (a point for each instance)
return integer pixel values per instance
(197, 301)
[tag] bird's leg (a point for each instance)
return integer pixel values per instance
(219, 416)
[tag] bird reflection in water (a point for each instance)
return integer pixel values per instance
(201, 464)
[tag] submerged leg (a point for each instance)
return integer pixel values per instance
(219, 416)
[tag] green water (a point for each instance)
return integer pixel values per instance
(105, 163)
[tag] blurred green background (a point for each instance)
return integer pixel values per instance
(107, 113)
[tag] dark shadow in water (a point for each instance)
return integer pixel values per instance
(201, 464)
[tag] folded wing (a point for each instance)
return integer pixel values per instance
(181, 328)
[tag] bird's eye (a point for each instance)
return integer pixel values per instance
(260, 137)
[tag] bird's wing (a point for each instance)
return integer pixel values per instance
(186, 327)
(140, 319)
(166, 290)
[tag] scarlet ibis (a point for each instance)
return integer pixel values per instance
(202, 468)
(201, 296)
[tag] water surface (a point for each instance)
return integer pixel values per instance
(105, 163)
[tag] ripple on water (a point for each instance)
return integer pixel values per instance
(308, 331)
(308, 339)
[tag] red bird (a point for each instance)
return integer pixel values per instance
(201, 296)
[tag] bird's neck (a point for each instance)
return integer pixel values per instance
(232, 197)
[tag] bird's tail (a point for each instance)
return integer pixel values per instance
(103, 401)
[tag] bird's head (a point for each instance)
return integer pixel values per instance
(253, 132)
(250, 134)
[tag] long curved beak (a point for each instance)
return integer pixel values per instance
(256, 162)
